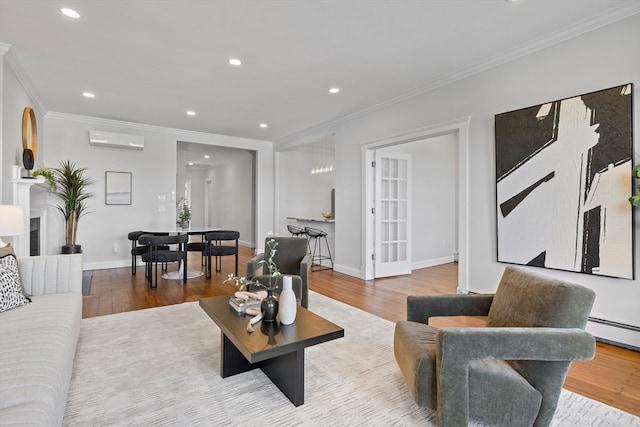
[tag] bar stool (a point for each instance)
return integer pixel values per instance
(316, 235)
(296, 231)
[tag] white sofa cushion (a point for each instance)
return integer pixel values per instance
(37, 347)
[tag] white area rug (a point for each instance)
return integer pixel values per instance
(160, 367)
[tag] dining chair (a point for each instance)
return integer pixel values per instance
(156, 253)
(215, 247)
(136, 250)
(195, 246)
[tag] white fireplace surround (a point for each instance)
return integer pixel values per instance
(22, 197)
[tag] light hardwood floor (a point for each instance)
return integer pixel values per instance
(612, 377)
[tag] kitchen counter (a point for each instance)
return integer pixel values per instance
(312, 219)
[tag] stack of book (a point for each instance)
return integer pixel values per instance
(241, 305)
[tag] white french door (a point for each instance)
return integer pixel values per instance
(392, 213)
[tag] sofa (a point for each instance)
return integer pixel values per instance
(38, 341)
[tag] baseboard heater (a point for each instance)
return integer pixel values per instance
(616, 325)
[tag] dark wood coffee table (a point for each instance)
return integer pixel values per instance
(275, 348)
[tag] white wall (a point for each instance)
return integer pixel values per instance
(300, 193)
(232, 201)
(434, 194)
(596, 60)
(13, 100)
(154, 178)
(196, 176)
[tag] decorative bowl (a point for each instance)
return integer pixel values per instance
(327, 215)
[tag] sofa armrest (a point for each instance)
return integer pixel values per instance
(421, 307)
(51, 274)
(254, 268)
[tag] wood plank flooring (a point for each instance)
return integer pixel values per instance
(612, 377)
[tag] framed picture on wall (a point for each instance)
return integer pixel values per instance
(117, 188)
(563, 180)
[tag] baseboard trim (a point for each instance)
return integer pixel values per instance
(432, 262)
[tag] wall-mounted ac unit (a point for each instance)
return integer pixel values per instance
(116, 140)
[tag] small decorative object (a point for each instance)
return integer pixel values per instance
(46, 174)
(269, 307)
(269, 304)
(29, 131)
(184, 212)
(27, 161)
(288, 304)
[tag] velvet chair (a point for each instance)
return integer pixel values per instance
(291, 258)
(136, 250)
(215, 247)
(509, 373)
(159, 252)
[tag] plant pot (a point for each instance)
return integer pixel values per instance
(72, 249)
(184, 224)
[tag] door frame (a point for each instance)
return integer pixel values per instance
(460, 127)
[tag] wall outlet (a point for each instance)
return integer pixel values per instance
(115, 247)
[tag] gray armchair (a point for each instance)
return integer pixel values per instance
(509, 373)
(291, 258)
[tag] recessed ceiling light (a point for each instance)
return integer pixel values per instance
(70, 13)
(206, 156)
(190, 163)
(88, 95)
(263, 125)
(235, 61)
(334, 90)
(191, 113)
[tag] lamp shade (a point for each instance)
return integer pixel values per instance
(11, 220)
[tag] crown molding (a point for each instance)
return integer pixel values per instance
(624, 11)
(22, 76)
(179, 134)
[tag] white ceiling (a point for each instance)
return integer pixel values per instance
(149, 61)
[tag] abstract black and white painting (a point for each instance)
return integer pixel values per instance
(563, 179)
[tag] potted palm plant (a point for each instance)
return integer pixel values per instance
(71, 189)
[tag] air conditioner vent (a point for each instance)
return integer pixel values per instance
(100, 138)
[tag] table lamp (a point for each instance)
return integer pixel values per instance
(11, 222)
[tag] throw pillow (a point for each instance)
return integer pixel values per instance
(11, 295)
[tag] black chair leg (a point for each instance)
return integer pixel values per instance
(184, 269)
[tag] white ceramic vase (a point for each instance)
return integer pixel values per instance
(288, 304)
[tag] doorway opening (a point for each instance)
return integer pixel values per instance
(459, 129)
(220, 185)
